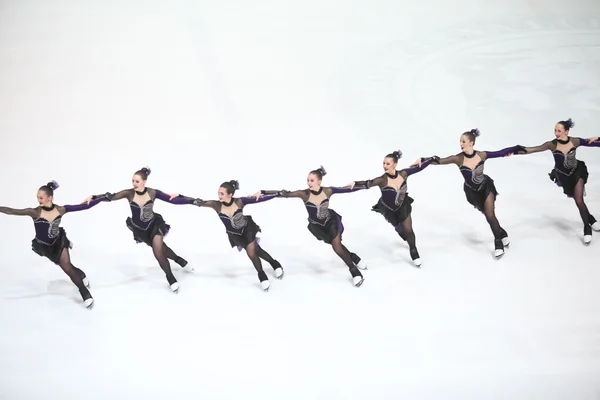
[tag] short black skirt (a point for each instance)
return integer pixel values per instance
(54, 251)
(330, 230)
(248, 235)
(477, 197)
(157, 227)
(568, 182)
(395, 217)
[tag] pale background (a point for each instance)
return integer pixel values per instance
(264, 91)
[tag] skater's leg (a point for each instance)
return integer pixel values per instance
(581, 206)
(158, 248)
(74, 274)
(170, 254)
(583, 210)
(260, 252)
(252, 253)
(411, 239)
(346, 256)
(497, 230)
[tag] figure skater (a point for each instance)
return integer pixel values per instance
(323, 222)
(241, 229)
(395, 204)
(50, 239)
(147, 226)
(570, 173)
(479, 188)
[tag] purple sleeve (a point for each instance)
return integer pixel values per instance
(587, 143)
(82, 207)
(252, 200)
(356, 188)
(176, 200)
(502, 153)
(413, 170)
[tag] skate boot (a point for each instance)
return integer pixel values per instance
(278, 269)
(357, 261)
(499, 251)
(414, 254)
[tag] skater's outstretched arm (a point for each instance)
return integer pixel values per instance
(425, 162)
(593, 142)
(352, 187)
(26, 212)
(369, 183)
(123, 194)
(301, 194)
(259, 199)
(79, 207)
(509, 151)
(537, 149)
(214, 204)
(173, 199)
(435, 160)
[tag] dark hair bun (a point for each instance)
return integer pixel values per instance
(235, 184)
(53, 185)
(147, 170)
(323, 171)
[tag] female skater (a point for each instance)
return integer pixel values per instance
(323, 222)
(395, 204)
(147, 226)
(568, 172)
(479, 188)
(50, 239)
(242, 229)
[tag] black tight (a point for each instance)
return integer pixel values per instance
(405, 230)
(162, 253)
(74, 273)
(490, 215)
(170, 254)
(255, 253)
(578, 197)
(346, 255)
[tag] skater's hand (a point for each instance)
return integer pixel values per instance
(172, 196)
(351, 185)
(592, 139)
(256, 195)
(416, 163)
(87, 200)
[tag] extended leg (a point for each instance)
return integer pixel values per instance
(500, 235)
(170, 254)
(409, 236)
(76, 277)
(346, 256)
(251, 251)
(158, 248)
(583, 211)
(274, 263)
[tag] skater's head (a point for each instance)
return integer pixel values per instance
(227, 190)
(45, 194)
(561, 129)
(467, 140)
(315, 177)
(391, 161)
(139, 179)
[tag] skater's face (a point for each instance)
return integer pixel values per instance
(43, 198)
(313, 182)
(138, 183)
(224, 197)
(560, 130)
(389, 164)
(465, 143)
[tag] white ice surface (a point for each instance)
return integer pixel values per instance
(265, 91)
